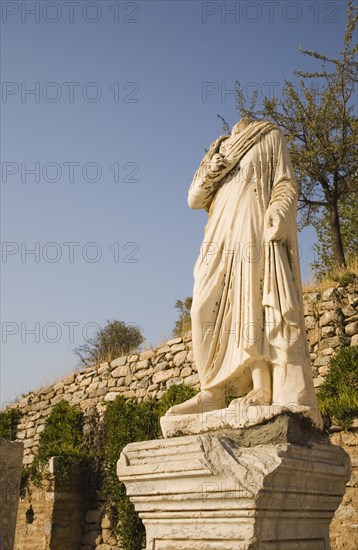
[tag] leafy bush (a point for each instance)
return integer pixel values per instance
(113, 340)
(9, 421)
(126, 422)
(62, 437)
(345, 279)
(338, 395)
(177, 393)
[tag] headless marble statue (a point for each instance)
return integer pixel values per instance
(247, 315)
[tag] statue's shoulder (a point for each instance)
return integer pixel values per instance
(264, 127)
(275, 132)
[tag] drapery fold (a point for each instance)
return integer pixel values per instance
(205, 182)
(247, 296)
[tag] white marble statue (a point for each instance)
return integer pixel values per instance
(247, 314)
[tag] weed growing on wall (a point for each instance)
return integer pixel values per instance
(338, 395)
(61, 437)
(9, 421)
(97, 445)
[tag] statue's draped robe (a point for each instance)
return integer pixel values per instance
(247, 296)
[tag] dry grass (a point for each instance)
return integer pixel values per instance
(337, 276)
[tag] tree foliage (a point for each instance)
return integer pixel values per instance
(9, 421)
(317, 115)
(116, 338)
(183, 323)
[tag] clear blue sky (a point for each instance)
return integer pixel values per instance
(124, 91)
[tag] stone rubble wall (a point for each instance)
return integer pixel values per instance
(10, 475)
(148, 373)
(51, 516)
(344, 527)
(331, 319)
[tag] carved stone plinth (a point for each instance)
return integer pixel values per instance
(237, 416)
(209, 492)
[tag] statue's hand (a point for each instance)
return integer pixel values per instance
(274, 225)
(216, 164)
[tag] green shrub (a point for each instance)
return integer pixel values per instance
(176, 394)
(126, 422)
(9, 421)
(345, 278)
(63, 437)
(116, 338)
(338, 395)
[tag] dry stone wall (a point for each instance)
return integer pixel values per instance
(344, 527)
(52, 516)
(10, 475)
(331, 319)
(135, 376)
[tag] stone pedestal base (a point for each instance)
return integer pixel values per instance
(209, 492)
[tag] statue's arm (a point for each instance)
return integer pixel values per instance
(212, 169)
(280, 216)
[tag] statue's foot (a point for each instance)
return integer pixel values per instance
(204, 401)
(257, 397)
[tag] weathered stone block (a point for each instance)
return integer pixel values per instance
(177, 347)
(192, 380)
(11, 454)
(348, 311)
(174, 382)
(120, 371)
(212, 492)
(317, 382)
(327, 318)
(163, 349)
(310, 322)
(179, 358)
(331, 304)
(162, 376)
(160, 366)
(111, 396)
(333, 342)
(94, 516)
(320, 361)
(174, 341)
(314, 336)
(352, 328)
(328, 294)
(147, 354)
(119, 362)
(141, 365)
(92, 538)
(186, 371)
(354, 341)
(144, 373)
(328, 331)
